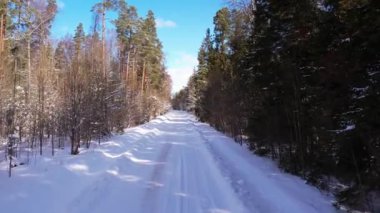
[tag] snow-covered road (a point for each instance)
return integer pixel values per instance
(171, 164)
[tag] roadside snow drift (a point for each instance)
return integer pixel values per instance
(171, 164)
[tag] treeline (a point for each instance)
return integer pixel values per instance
(301, 79)
(81, 88)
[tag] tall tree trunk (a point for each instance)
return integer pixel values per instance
(28, 68)
(2, 62)
(133, 74)
(127, 71)
(143, 78)
(104, 40)
(105, 91)
(121, 64)
(2, 30)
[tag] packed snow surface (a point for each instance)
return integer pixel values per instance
(171, 164)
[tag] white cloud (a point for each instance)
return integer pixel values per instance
(181, 70)
(60, 4)
(162, 23)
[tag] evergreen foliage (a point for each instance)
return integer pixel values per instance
(300, 79)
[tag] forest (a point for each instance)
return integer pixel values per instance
(79, 88)
(299, 82)
(295, 81)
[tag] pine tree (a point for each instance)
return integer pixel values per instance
(75, 91)
(300, 79)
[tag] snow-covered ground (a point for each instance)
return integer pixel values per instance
(171, 164)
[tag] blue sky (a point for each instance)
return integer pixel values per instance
(181, 27)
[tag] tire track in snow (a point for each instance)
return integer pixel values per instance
(154, 184)
(239, 186)
(182, 181)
